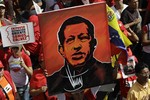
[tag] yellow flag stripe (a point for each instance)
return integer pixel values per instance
(113, 22)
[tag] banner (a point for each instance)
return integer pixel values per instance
(17, 34)
(128, 70)
(76, 48)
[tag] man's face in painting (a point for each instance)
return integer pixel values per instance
(76, 47)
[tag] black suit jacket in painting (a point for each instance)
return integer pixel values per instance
(93, 73)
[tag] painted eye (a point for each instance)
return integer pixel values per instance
(70, 40)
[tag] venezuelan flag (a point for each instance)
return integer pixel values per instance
(113, 22)
(118, 49)
(119, 42)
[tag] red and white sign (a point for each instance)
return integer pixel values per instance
(17, 34)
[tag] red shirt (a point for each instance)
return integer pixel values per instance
(145, 28)
(124, 88)
(35, 46)
(3, 56)
(37, 81)
(25, 57)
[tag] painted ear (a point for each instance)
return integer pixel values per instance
(95, 42)
(61, 50)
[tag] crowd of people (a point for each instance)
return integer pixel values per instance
(22, 73)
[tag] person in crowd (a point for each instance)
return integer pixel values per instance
(142, 9)
(21, 8)
(146, 44)
(118, 8)
(20, 69)
(7, 87)
(38, 83)
(131, 19)
(140, 89)
(3, 22)
(81, 69)
(52, 5)
(10, 14)
(24, 9)
(147, 14)
(35, 47)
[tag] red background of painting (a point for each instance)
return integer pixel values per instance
(51, 21)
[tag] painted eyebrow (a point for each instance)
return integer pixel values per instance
(83, 34)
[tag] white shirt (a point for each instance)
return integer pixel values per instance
(118, 15)
(17, 72)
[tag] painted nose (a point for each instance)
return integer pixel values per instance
(77, 47)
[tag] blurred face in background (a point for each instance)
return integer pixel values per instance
(2, 11)
(143, 76)
(133, 4)
(16, 51)
(117, 2)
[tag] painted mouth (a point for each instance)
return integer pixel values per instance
(78, 56)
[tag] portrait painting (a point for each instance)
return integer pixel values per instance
(76, 48)
(128, 70)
